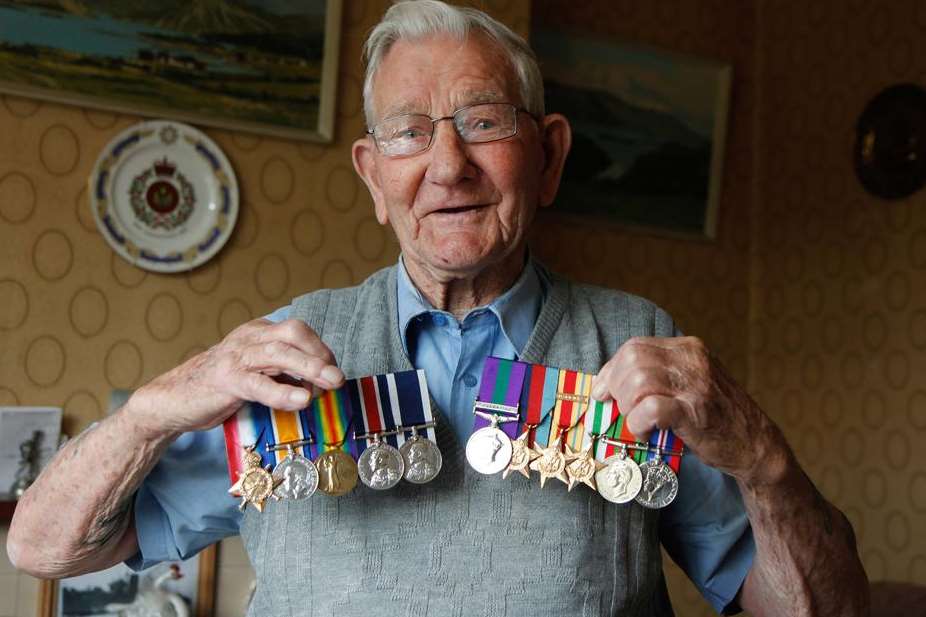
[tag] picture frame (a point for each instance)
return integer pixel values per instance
(263, 66)
(648, 132)
(120, 586)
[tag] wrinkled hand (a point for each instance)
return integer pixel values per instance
(676, 383)
(273, 364)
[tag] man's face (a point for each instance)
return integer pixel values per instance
(456, 208)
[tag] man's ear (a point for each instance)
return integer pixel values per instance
(363, 153)
(556, 136)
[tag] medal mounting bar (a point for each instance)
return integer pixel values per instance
(289, 445)
(639, 445)
(573, 398)
(508, 410)
(399, 429)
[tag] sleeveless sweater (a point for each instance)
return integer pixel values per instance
(463, 545)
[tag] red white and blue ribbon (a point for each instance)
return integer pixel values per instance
(382, 403)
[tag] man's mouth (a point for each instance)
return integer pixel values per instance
(459, 209)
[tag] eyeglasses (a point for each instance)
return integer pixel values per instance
(475, 124)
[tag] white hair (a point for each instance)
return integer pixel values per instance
(417, 19)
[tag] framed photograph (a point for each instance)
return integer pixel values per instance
(28, 441)
(172, 589)
(649, 128)
(266, 66)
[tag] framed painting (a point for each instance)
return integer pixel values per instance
(649, 128)
(173, 589)
(266, 66)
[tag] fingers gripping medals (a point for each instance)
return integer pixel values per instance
(255, 483)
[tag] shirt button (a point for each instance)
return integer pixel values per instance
(469, 381)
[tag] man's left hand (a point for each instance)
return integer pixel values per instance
(677, 383)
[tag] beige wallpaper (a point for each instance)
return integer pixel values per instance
(838, 325)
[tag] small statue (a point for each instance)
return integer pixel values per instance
(28, 470)
(154, 598)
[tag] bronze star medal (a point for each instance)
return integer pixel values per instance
(582, 468)
(255, 483)
(521, 457)
(551, 462)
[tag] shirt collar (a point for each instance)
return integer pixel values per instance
(516, 309)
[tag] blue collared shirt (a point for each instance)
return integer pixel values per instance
(183, 505)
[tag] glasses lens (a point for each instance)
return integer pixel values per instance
(486, 122)
(403, 134)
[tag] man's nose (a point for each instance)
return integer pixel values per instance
(449, 158)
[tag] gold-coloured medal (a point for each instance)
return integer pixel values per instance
(551, 462)
(582, 469)
(521, 456)
(255, 483)
(337, 472)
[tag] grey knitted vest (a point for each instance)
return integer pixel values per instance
(464, 545)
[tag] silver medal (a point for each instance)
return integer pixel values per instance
(619, 481)
(297, 476)
(660, 484)
(422, 459)
(380, 466)
(488, 450)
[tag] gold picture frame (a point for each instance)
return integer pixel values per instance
(268, 68)
(204, 602)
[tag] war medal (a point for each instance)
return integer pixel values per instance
(660, 484)
(297, 476)
(620, 479)
(255, 483)
(521, 454)
(489, 449)
(381, 466)
(337, 471)
(422, 458)
(583, 468)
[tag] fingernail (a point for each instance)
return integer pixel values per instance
(332, 374)
(299, 397)
(599, 391)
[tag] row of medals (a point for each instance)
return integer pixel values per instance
(334, 472)
(619, 479)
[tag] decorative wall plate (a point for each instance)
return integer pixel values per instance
(890, 142)
(164, 196)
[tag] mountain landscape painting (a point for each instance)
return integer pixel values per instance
(261, 65)
(648, 132)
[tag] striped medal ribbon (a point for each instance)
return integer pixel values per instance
(538, 397)
(596, 420)
(329, 419)
(572, 395)
(389, 407)
(489, 448)
(660, 480)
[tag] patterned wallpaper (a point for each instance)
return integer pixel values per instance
(808, 294)
(838, 322)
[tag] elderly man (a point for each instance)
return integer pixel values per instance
(458, 158)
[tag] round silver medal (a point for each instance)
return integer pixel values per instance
(422, 458)
(488, 450)
(619, 481)
(297, 476)
(380, 466)
(660, 484)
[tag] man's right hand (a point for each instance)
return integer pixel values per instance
(272, 364)
(87, 489)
